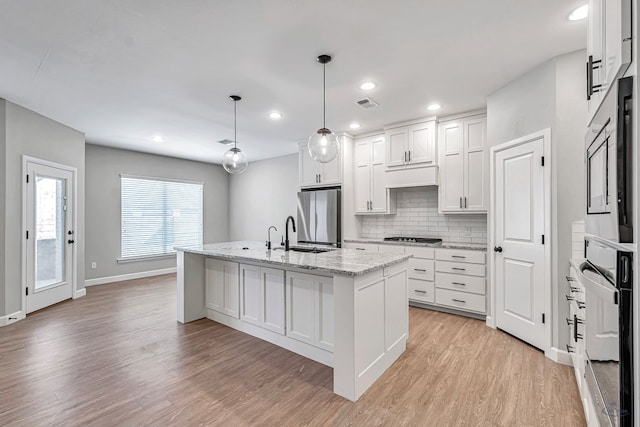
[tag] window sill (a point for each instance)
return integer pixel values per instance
(145, 258)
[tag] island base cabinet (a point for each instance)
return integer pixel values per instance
(262, 297)
(309, 302)
(222, 287)
(373, 303)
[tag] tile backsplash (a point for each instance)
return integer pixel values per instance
(417, 216)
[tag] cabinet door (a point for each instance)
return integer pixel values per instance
(273, 297)
(452, 167)
(422, 144)
(301, 290)
(595, 48)
(397, 141)
(308, 168)
(617, 27)
(222, 287)
(476, 165)
(250, 294)
(378, 186)
(362, 175)
(331, 173)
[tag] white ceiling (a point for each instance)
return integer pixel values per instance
(123, 71)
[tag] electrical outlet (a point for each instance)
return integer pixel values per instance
(94, 264)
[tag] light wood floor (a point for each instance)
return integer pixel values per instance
(118, 357)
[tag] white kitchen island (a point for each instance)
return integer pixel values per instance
(346, 308)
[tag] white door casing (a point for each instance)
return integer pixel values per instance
(49, 261)
(520, 216)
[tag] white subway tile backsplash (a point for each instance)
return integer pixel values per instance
(417, 216)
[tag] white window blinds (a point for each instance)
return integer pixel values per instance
(158, 215)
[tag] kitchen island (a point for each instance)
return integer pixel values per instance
(344, 308)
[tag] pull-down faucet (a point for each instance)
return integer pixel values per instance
(286, 231)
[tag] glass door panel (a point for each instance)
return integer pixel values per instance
(50, 208)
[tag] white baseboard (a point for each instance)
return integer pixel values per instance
(11, 318)
(130, 276)
(80, 293)
(559, 356)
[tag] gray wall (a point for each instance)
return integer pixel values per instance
(264, 195)
(104, 166)
(550, 96)
(29, 133)
(3, 225)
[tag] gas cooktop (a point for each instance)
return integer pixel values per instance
(413, 239)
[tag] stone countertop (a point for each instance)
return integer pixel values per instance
(344, 262)
(444, 245)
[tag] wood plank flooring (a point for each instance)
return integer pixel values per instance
(118, 357)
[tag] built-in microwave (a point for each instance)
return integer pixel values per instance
(609, 164)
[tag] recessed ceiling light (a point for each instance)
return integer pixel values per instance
(433, 107)
(354, 125)
(579, 13)
(157, 138)
(367, 85)
(275, 115)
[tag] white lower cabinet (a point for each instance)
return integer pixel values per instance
(421, 274)
(309, 302)
(222, 287)
(460, 280)
(262, 297)
(421, 290)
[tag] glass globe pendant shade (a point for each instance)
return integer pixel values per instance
(323, 146)
(234, 161)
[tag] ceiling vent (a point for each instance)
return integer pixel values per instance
(225, 142)
(367, 103)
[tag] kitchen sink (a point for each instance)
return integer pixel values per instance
(307, 249)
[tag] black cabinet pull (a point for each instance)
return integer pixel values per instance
(458, 256)
(570, 349)
(497, 249)
(419, 291)
(420, 269)
(458, 283)
(458, 300)
(458, 269)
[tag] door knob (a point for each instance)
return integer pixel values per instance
(497, 249)
(71, 241)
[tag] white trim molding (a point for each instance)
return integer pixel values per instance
(559, 356)
(80, 293)
(130, 276)
(11, 318)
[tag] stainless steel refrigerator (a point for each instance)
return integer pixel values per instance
(319, 217)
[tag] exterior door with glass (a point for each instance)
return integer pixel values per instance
(49, 235)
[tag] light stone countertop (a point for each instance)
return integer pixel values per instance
(344, 262)
(444, 245)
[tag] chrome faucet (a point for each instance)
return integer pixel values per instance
(268, 244)
(286, 231)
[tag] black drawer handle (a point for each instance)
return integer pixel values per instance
(570, 279)
(458, 283)
(458, 269)
(569, 321)
(458, 256)
(570, 349)
(420, 269)
(458, 300)
(580, 304)
(360, 249)
(573, 289)
(419, 291)
(570, 298)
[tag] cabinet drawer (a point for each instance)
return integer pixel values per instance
(458, 282)
(475, 257)
(461, 268)
(421, 290)
(369, 247)
(427, 253)
(421, 269)
(390, 249)
(461, 300)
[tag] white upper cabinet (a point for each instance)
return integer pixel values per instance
(608, 47)
(464, 165)
(369, 176)
(411, 146)
(316, 174)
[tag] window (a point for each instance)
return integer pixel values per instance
(159, 214)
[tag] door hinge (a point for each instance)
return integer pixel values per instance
(27, 234)
(27, 291)
(543, 318)
(542, 161)
(27, 178)
(543, 239)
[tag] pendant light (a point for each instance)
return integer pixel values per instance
(324, 145)
(235, 161)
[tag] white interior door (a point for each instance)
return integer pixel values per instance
(519, 250)
(50, 236)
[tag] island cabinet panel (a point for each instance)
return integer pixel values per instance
(262, 297)
(222, 287)
(309, 308)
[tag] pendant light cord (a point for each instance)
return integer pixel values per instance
(235, 124)
(324, 96)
